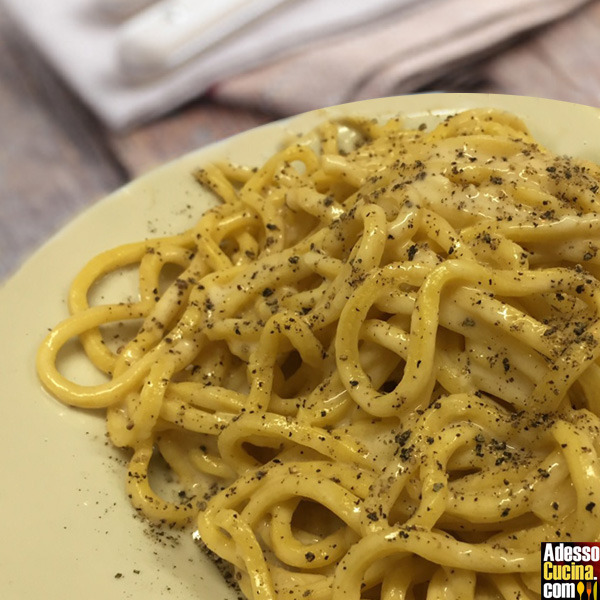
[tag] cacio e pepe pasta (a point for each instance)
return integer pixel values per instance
(375, 373)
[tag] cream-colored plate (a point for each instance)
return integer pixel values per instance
(67, 528)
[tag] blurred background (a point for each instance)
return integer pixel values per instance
(95, 92)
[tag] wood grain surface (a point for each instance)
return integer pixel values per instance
(56, 159)
(54, 156)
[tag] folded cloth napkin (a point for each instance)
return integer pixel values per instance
(302, 55)
(396, 56)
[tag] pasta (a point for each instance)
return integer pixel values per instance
(373, 368)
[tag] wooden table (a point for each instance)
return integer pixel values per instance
(56, 159)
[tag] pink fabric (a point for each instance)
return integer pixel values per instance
(393, 57)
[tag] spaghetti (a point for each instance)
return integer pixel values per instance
(376, 373)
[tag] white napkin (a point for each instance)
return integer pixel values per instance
(306, 54)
